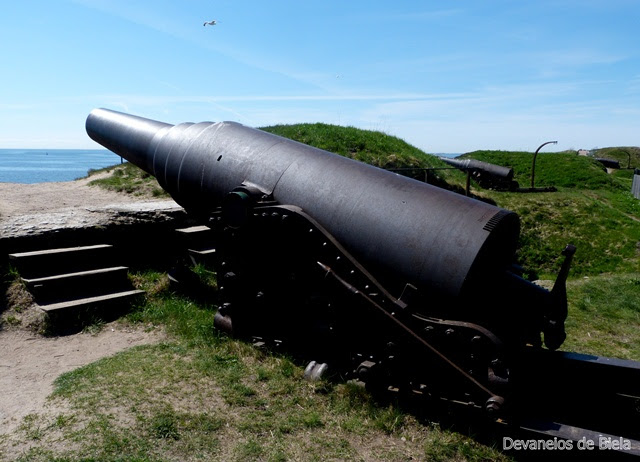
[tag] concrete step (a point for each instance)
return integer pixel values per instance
(199, 240)
(43, 263)
(72, 316)
(77, 285)
(197, 236)
(194, 230)
(204, 256)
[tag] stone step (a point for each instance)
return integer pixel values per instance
(76, 285)
(49, 262)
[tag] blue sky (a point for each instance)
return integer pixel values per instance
(446, 76)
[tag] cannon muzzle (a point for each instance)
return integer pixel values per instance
(135, 135)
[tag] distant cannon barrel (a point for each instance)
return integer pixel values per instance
(504, 173)
(607, 162)
(424, 234)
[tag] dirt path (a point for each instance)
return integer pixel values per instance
(30, 363)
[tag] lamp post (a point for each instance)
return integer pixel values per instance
(628, 154)
(533, 166)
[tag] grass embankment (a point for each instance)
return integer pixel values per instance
(205, 396)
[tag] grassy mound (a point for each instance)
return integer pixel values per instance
(127, 178)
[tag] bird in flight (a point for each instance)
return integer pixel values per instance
(213, 22)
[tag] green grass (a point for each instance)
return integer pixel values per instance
(367, 146)
(604, 316)
(603, 225)
(128, 178)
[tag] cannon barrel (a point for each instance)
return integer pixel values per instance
(406, 229)
(607, 162)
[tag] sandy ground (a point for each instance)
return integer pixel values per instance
(30, 363)
(23, 199)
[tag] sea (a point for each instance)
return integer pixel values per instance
(48, 165)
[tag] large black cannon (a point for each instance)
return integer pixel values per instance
(395, 282)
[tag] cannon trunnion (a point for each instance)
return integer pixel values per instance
(388, 280)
